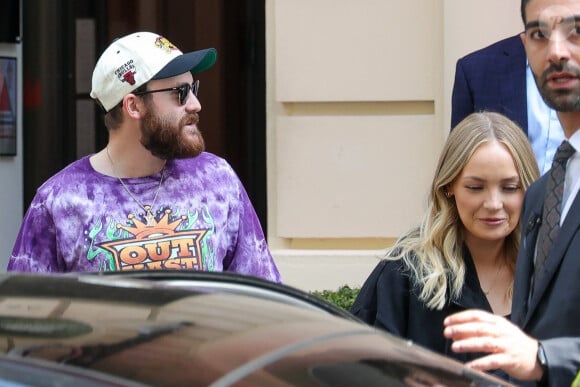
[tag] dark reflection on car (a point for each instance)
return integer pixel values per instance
(199, 329)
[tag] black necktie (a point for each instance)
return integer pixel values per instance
(550, 226)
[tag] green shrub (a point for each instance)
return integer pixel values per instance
(576, 382)
(343, 297)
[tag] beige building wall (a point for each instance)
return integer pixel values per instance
(358, 107)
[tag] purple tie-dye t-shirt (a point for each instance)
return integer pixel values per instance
(82, 220)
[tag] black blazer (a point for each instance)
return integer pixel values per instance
(552, 314)
(492, 79)
(389, 301)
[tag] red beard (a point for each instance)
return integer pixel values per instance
(168, 141)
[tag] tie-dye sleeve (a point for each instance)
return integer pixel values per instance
(249, 253)
(35, 249)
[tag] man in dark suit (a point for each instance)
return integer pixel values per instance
(542, 343)
(492, 78)
(495, 78)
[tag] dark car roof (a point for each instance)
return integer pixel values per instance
(203, 329)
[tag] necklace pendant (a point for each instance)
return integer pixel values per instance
(149, 218)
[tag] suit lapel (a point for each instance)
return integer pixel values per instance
(525, 261)
(513, 85)
(559, 248)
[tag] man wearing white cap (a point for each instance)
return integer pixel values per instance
(152, 199)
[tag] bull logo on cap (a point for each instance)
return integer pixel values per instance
(129, 77)
(126, 72)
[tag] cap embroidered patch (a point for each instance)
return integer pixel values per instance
(126, 73)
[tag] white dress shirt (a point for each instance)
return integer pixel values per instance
(544, 130)
(572, 182)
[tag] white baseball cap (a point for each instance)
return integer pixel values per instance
(135, 59)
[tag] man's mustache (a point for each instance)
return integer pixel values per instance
(559, 68)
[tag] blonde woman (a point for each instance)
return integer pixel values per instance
(463, 253)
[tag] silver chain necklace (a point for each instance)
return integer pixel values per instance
(493, 282)
(149, 218)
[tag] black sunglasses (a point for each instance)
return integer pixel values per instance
(182, 91)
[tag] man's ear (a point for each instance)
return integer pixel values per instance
(523, 38)
(133, 106)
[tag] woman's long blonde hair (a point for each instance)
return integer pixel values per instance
(433, 251)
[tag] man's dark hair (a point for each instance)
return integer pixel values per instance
(523, 10)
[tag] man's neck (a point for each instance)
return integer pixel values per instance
(570, 122)
(126, 162)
